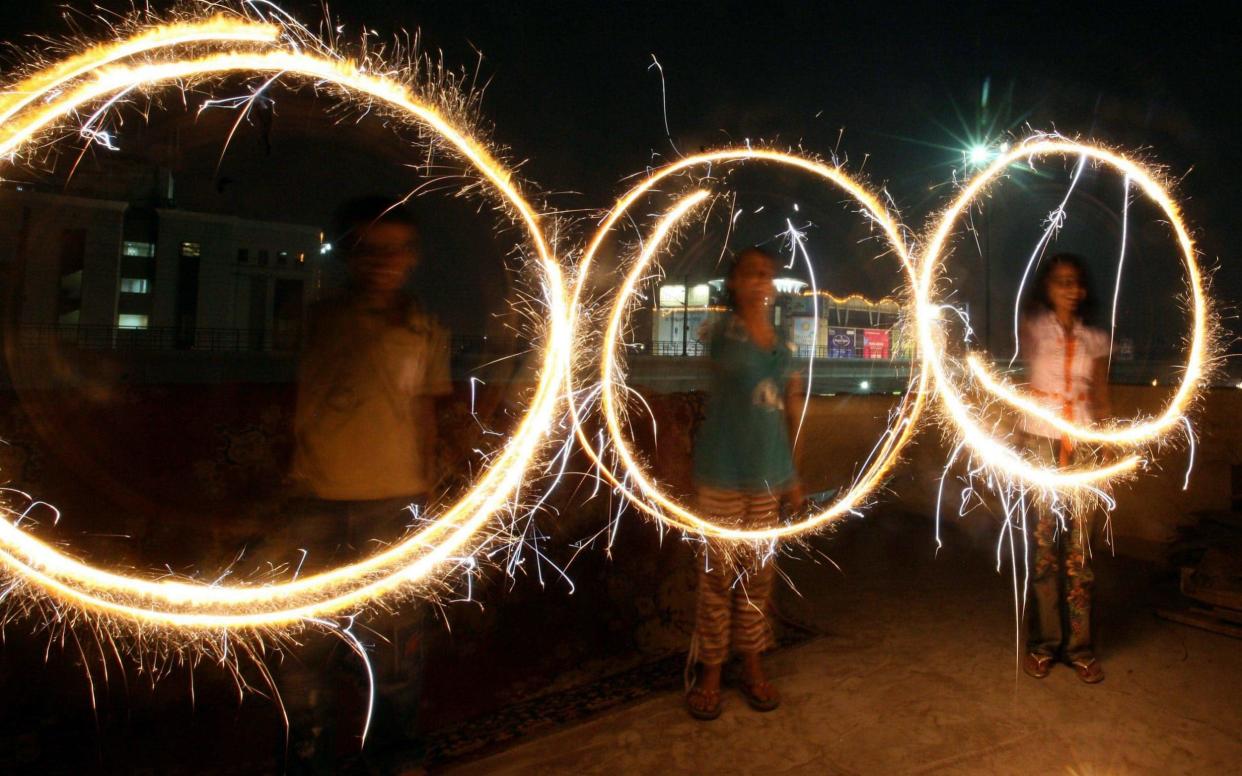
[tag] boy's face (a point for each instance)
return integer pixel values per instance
(383, 257)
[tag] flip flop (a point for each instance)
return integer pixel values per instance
(710, 706)
(757, 702)
(1037, 664)
(1088, 670)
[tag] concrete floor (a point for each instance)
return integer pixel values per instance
(915, 673)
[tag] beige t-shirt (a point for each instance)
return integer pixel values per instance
(364, 424)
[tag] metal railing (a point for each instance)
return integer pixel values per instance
(156, 338)
(695, 348)
(678, 348)
(172, 338)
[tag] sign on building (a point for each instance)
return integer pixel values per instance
(842, 342)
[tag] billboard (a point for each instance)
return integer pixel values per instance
(803, 334)
(842, 342)
(875, 343)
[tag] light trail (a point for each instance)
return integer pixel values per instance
(963, 415)
(46, 100)
(631, 480)
(1121, 262)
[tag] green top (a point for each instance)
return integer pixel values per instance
(744, 441)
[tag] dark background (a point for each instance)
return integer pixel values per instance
(899, 92)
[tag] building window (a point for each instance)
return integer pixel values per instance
(282, 258)
(671, 295)
(135, 286)
(126, 321)
(142, 250)
(191, 249)
(243, 255)
(263, 257)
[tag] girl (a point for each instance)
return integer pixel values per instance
(743, 470)
(1068, 371)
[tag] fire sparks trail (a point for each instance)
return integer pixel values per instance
(630, 479)
(963, 415)
(197, 51)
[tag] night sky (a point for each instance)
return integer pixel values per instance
(573, 91)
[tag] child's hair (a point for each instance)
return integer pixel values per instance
(361, 212)
(736, 263)
(1039, 301)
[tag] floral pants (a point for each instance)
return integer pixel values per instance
(1059, 622)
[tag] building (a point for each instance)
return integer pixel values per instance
(817, 322)
(114, 273)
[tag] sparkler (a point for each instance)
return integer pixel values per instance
(963, 414)
(629, 478)
(191, 52)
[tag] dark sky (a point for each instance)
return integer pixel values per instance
(572, 90)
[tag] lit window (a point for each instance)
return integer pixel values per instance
(140, 249)
(191, 249)
(672, 295)
(282, 257)
(131, 321)
(135, 286)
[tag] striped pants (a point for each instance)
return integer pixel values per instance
(734, 592)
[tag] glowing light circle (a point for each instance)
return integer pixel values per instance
(953, 404)
(58, 92)
(636, 485)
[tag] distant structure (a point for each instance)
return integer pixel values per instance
(138, 273)
(851, 327)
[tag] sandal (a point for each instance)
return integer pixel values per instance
(1037, 664)
(1088, 669)
(761, 696)
(703, 704)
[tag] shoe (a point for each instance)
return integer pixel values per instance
(1088, 669)
(761, 696)
(1037, 664)
(704, 705)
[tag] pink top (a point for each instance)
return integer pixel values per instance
(1060, 367)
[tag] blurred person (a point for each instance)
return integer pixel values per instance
(1067, 371)
(373, 366)
(744, 472)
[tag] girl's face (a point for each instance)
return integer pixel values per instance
(751, 282)
(1066, 291)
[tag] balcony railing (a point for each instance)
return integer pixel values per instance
(696, 348)
(678, 348)
(172, 338)
(156, 338)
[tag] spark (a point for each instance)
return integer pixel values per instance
(1121, 260)
(962, 416)
(629, 479)
(1055, 220)
(1190, 458)
(194, 52)
(797, 242)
